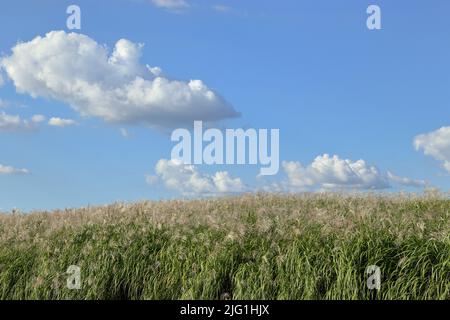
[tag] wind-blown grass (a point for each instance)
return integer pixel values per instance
(251, 247)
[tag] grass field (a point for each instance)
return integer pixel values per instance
(251, 247)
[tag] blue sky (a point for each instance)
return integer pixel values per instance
(310, 68)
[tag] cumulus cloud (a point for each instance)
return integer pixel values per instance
(171, 4)
(58, 122)
(435, 144)
(75, 69)
(1, 80)
(325, 173)
(4, 170)
(333, 173)
(13, 123)
(187, 180)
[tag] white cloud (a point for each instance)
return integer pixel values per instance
(11, 170)
(435, 144)
(223, 183)
(38, 118)
(151, 179)
(124, 133)
(407, 182)
(171, 4)
(116, 87)
(10, 123)
(325, 173)
(1, 80)
(221, 8)
(58, 122)
(187, 180)
(334, 173)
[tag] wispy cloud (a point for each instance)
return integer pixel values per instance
(58, 122)
(3, 103)
(14, 123)
(172, 5)
(407, 182)
(124, 133)
(221, 8)
(8, 170)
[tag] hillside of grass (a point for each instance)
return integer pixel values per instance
(250, 247)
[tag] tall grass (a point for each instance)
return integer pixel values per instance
(251, 247)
